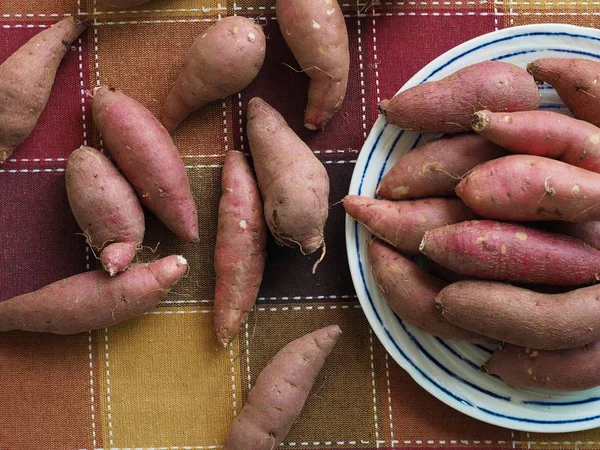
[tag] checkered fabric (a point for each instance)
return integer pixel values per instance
(160, 381)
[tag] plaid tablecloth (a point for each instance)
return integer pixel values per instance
(160, 381)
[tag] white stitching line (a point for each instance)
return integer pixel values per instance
(306, 308)
(310, 297)
(247, 337)
(389, 393)
(108, 393)
(210, 447)
(374, 385)
(40, 159)
(363, 98)
(58, 170)
(496, 15)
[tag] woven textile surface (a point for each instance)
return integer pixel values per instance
(160, 381)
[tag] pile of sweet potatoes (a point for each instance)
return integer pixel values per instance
(140, 166)
(506, 209)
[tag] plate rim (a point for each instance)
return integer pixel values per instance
(380, 331)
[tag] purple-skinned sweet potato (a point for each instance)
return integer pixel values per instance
(435, 168)
(147, 156)
(92, 300)
(26, 80)
(280, 392)
(316, 33)
(511, 252)
(588, 232)
(293, 182)
(446, 105)
(240, 251)
(105, 207)
(572, 369)
(223, 60)
(411, 292)
(543, 133)
(521, 316)
(531, 188)
(403, 223)
(576, 82)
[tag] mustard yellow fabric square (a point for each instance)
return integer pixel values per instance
(166, 383)
(39, 10)
(162, 9)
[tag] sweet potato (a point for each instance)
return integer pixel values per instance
(530, 188)
(435, 168)
(523, 317)
(402, 224)
(446, 106)
(510, 252)
(573, 369)
(316, 33)
(147, 156)
(92, 300)
(123, 3)
(543, 133)
(240, 252)
(293, 182)
(105, 207)
(411, 292)
(26, 80)
(278, 396)
(575, 81)
(588, 232)
(222, 61)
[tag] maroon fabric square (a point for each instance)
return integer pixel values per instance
(38, 233)
(59, 130)
(286, 89)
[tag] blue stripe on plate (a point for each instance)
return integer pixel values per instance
(374, 309)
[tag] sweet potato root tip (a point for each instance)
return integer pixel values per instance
(479, 121)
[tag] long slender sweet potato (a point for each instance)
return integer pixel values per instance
(92, 300)
(530, 188)
(435, 168)
(510, 252)
(222, 61)
(575, 81)
(573, 369)
(543, 133)
(123, 3)
(293, 182)
(523, 317)
(315, 31)
(147, 156)
(105, 207)
(411, 293)
(280, 392)
(240, 252)
(402, 224)
(26, 80)
(446, 106)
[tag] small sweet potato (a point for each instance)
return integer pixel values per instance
(510, 252)
(92, 300)
(240, 251)
(543, 133)
(575, 81)
(530, 188)
(573, 369)
(435, 168)
(446, 106)
(26, 80)
(280, 392)
(223, 60)
(293, 182)
(411, 293)
(105, 207)
(147, 156)
(523, 317)
(316, 33)
(402, 224)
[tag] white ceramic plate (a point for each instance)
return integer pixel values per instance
(449, 370)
